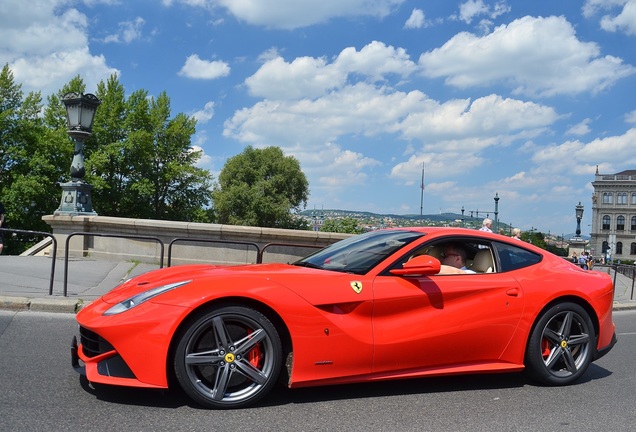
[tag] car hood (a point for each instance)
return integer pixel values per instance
(312, 284)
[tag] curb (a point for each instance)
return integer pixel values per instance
(631, 305)
(63, 305)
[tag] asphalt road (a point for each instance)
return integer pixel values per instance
(39, 391)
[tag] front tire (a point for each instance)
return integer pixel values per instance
(561, 345)
(229, 357)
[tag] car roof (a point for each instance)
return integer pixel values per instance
(459, 231)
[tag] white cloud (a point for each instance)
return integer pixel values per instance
(471, 9)
(205, 161)
(574, 157)
(303, 77)
(375, 60)
(533, 56)
(128, 32)
(46, 46)
(580, 129)
(291, 14)
(196, 68)
(309, 77)
(489, 116)
(625, 21)
(439, 165)
(356, 109)
(630, 117)
(452, 134)
(416, 20)
(346, 167)
(206, 114)
(591, 7)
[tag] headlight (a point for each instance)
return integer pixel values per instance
(138, 299)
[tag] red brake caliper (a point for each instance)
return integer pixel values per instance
(255, 354)
(545, 348)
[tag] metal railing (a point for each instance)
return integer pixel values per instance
(259, 251)
(628, 271)
(202, 240)
(127, 236)
(294, 245)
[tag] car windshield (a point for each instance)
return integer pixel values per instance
(360, 253)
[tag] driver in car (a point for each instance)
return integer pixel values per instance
(453, 259)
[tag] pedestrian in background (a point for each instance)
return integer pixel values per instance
(516, 233)
(486, 225)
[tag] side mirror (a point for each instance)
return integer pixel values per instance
(422, 265)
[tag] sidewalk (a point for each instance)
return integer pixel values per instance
(25, 283)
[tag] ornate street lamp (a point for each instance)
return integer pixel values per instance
(76, 194)
(579, 216)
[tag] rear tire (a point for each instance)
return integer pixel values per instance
(229, 357)
(561, 345)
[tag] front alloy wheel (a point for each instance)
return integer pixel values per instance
(229, 357)
(561, 346)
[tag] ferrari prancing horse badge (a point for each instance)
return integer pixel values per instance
(357, 286)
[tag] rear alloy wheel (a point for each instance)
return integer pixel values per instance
(561, 346)
(229, 357)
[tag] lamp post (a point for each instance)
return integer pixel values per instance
(579, 215)
(496, 211)
(76, 194)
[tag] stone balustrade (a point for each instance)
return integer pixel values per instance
(104, 237)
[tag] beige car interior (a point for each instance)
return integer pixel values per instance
(482, 262)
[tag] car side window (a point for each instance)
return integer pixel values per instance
(514, 257)
(477, 255)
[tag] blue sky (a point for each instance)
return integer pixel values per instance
(520, 98)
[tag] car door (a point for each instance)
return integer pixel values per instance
(443, 320)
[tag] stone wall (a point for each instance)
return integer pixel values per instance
(123, 239)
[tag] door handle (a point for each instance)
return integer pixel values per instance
(513, 292)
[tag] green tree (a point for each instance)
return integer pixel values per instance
(344, 225)
(141, 161)
(536, 238)
(261, 187)
(29, 161)
(139, 158)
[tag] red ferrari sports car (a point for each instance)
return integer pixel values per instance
(376, 306)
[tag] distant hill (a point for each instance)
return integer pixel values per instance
(410, 219)
(396, 218)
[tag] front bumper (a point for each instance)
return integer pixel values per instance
(105, 368)
(127, 349)
(75, 360)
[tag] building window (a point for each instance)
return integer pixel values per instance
(619, 248)
(621, 198)
(633, 197)
(606, 222)
(620, 223)
(633, 223)
(632, 249)
(605, 247)
(608, 198)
